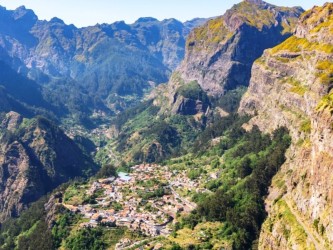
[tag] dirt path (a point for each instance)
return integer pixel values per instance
(314, 236)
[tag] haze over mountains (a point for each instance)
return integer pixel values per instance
(57, 70)
(224, 125)
(104, 67)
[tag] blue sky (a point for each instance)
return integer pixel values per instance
(89, 12)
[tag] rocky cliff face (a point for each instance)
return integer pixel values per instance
(35, 157)
(219, 55)
(291, 86)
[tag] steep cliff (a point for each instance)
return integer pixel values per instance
(291, 86)
(218, 60)
(35, 157)
(219, 55)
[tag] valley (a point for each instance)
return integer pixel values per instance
(213, 133)
(145, 200)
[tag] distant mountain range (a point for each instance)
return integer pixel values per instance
(103, 67)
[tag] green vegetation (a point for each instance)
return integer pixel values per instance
(106, 171)
(194, 173)
(290, 227)
(97, 238)
(148, 136)
(250, 160)
(62, 227)
(297, 86)
(306, 127)
(325, 73)
(130, 113)
(75, 194)
(86, 238)
(213, 33)
(29, 231)
(295, 44)
(218, 129)
(52, 151)
(252, 15)
(192, 90)
(231, 100)
(323, 21)
(159, 192)
(326, 103)
(231, 215)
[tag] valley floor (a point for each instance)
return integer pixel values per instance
(148, 200)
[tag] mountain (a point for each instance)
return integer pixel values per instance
(208, 83)
(22, 95)
(35, 157)
(105, 67)
(291, 86)
(242, 132)
(56, 70)
(220, 54)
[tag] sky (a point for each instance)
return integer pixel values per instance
(89, 12)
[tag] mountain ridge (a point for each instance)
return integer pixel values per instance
(218, 60)
(58, 56)
(35, 157)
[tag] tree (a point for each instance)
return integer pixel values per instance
(106, 171)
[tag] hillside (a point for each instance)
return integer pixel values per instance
(220, 54)
(22, 95)
(35, 157)
(210, 199)
(207, 85)
(291, 86)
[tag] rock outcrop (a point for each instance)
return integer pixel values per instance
(291, 86)
(219, 55)
(35, 157)
(11, 121)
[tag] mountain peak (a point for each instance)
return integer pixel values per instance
(146, 20)
(56, 20)
(22, 11)
(256, 2)
(21, 8)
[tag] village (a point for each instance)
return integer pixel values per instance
(144, 200)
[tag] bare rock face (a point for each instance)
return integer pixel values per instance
(53, 207)
(291, 86)
(14, 162)
(12, 121)
(187, 106)
(35, 157)
(219, 55)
